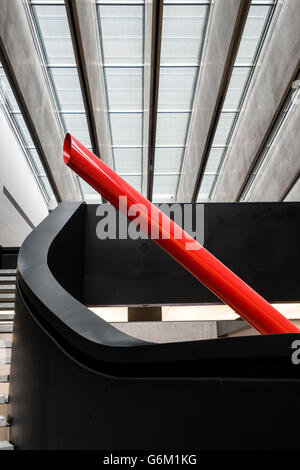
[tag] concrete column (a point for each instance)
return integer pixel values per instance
(294, 193)
(21, 61)
(281, 164)
(274, 74)
(225, 26)
(82, 15)
(152, 45)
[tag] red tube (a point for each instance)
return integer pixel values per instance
(198, 261)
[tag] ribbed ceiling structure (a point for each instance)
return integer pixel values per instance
(187, 100)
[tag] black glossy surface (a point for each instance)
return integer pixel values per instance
(58, 403)
(258, 241)
(78, 383)
(8, 257)
(85, 334)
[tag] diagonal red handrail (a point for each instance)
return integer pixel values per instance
(198, 261)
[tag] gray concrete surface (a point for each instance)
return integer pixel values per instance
(281, 164)
(223, 21)
(294, 193)
(22, 59)
(169, 332)
(274, 74)
(92, 60)
(147, 80)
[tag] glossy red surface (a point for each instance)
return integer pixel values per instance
(175, 241)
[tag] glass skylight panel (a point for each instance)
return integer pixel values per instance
(67, 88)
(7, 92)
(194, 2)
(22, 132)
(206, 186)
(55, 34)
(165, 187)
(215, 157)
(132, 2)
(128, 159)
(122, 34)
(134, 180)
(121, 30)
(124, 88)
(168, 159)
(253, 34)
(53, 27)
(23, 129)
(89, 193)
(171, 128)
(126, 129)
(46, 185)
(223, 129)
(176, 88)
(237, 84)
(36, 161)
(77, 126)
(182, 33)
(47, 1)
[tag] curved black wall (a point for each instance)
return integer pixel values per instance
(59, 403)
(78, 383)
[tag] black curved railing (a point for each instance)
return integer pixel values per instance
(79, 383)
(54, 304)
(53, 251)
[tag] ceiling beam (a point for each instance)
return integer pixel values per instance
(267, 92)
(82, 17)
(152, 47)
(281, 165)
(224, 31)
(22, 65)
(294, 193)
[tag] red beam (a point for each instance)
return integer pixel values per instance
(198, 261)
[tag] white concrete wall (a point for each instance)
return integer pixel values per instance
(17, 177)
(169, 332)
(277, 65)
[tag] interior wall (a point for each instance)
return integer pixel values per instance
(257, 241)
(16, 176)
